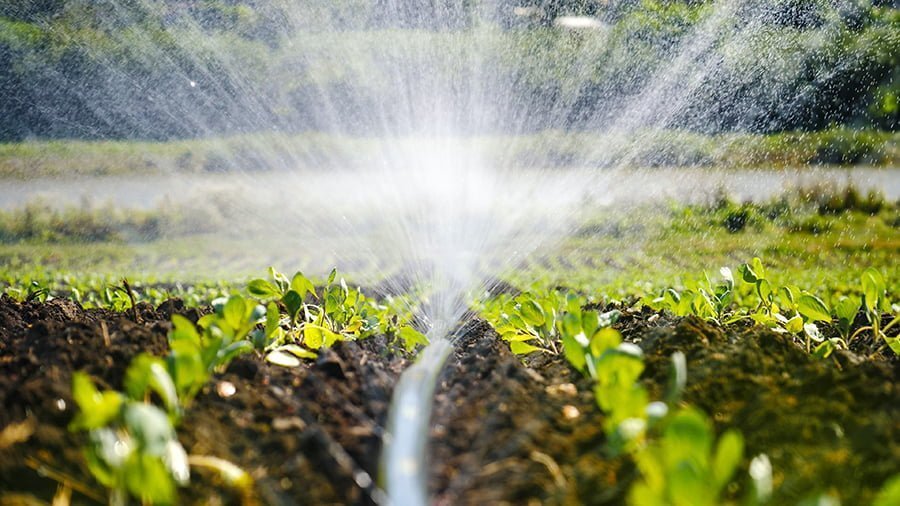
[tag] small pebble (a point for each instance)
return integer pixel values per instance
(226, 389)
(288, 423)
(570, 412)
(563, 389)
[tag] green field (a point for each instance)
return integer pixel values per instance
(273, 152)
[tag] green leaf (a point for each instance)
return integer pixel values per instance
(758, 268)
(234, 312)
(331, 276)
(764, 289)
(312, 336)
(748, 274)
(522, 348)
(186, 367)
(825, 349)
(262, 289)
(532, 312)
(298, 351)
(575, 353)
(302, 285)
(184, 329)
(794, 325)
(235, 349)
(571, 324)
(96, 409)
(787, 297)
(148, 372)
(332, 303)
(890, 492)
(514, 335)
(688, 437)
(590, 322)
(149, 426)
(412, 338)
(729, 452)
(273, 320)
(146, 477)
(293, 302)
(873, 288)
(315, 336)
(605, 339)
(847, 309)
(813, 308)
(893, 343)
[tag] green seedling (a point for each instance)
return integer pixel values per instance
(703, 298)
(132, 447)
(529, 322)
(687, 466)
(319, 318)
(845, 311)
(875, 303)
(37, 292)
(222, 336)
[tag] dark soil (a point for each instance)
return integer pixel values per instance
(504, 430)
(308, 435)
(507, 433)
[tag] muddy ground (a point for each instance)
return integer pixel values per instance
(503, 431)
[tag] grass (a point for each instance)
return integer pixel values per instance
(272, 151)
(643, 258)
(626, 253)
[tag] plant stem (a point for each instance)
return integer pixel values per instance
(858, 331)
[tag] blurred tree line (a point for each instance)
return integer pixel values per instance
(162, 69)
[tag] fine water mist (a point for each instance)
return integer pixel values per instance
(432, 103)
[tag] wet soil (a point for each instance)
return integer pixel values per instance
(504, 430)
(307, 435)
(509, 432)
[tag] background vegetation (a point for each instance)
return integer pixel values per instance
(163, 69)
